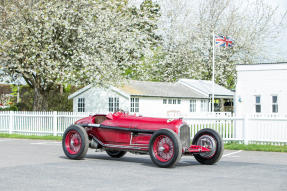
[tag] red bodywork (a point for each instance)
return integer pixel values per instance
(101, 127)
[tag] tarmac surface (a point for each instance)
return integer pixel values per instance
(41, 165)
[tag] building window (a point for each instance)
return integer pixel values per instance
(178, 101)
(275, 104)
(81, 104)
(169, 101)
(134, 104)
(257, 104)
(114, 104)
(174, 101)
(164, 101)
(204, 105)
(192, 105)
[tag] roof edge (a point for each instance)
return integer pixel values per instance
(189, 86)
(120, 92)
(82, 90)
(190, 97)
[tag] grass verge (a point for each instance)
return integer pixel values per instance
(255, 147)
(17, 136)
(229, 146)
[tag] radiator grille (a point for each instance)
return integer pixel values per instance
(185, 135)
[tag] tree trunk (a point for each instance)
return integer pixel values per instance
(61, 89)
(40, 102)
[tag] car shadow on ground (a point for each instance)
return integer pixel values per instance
(184, 162)
(146, 161)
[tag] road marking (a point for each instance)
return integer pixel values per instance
(46, 143)
(233, 153)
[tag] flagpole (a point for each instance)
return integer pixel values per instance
(213, 60)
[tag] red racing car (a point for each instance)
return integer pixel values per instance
(166, 140)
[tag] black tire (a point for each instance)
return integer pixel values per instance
(213, 138)
(71, 150)
(115, 153)
(174, 148)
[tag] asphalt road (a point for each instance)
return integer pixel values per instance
(41, 165)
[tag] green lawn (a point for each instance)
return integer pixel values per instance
(48, 137)
(254, 147)
(229, 146)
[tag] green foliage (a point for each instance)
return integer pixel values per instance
(26, 99)
(149, 14)
(14, 89)
(256, 147)
(60, 102)
(11, 108)
(56, 100)
(18, 136)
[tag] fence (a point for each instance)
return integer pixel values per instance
(37, 123)
(246, 129)
(257, 129)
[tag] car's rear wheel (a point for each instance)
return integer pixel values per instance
(164, 148)
(210, 139)
(75, 142)
(115, 153)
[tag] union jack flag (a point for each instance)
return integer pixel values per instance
(223, 41)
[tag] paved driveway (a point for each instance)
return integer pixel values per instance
(41, 165)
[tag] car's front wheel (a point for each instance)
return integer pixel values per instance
(210, 139)
(75, 142)
(164, 148)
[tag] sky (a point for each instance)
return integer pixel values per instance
(280, 47)
(282, 3)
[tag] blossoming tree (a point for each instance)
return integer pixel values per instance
(48, 42)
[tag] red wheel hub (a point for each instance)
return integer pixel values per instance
(166, 148)
(163, 148)
(76, 142)
(73, 142)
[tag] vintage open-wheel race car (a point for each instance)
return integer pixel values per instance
(166, 140)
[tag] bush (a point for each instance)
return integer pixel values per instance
(11, 108)
(56, 101)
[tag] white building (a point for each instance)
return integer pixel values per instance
(142, 97)
(261, 88)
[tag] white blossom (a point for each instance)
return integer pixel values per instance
(75, 42)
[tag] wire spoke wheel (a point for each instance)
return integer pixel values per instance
(75, 142)
(210, 139)
(165, 148)
(209, 142)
